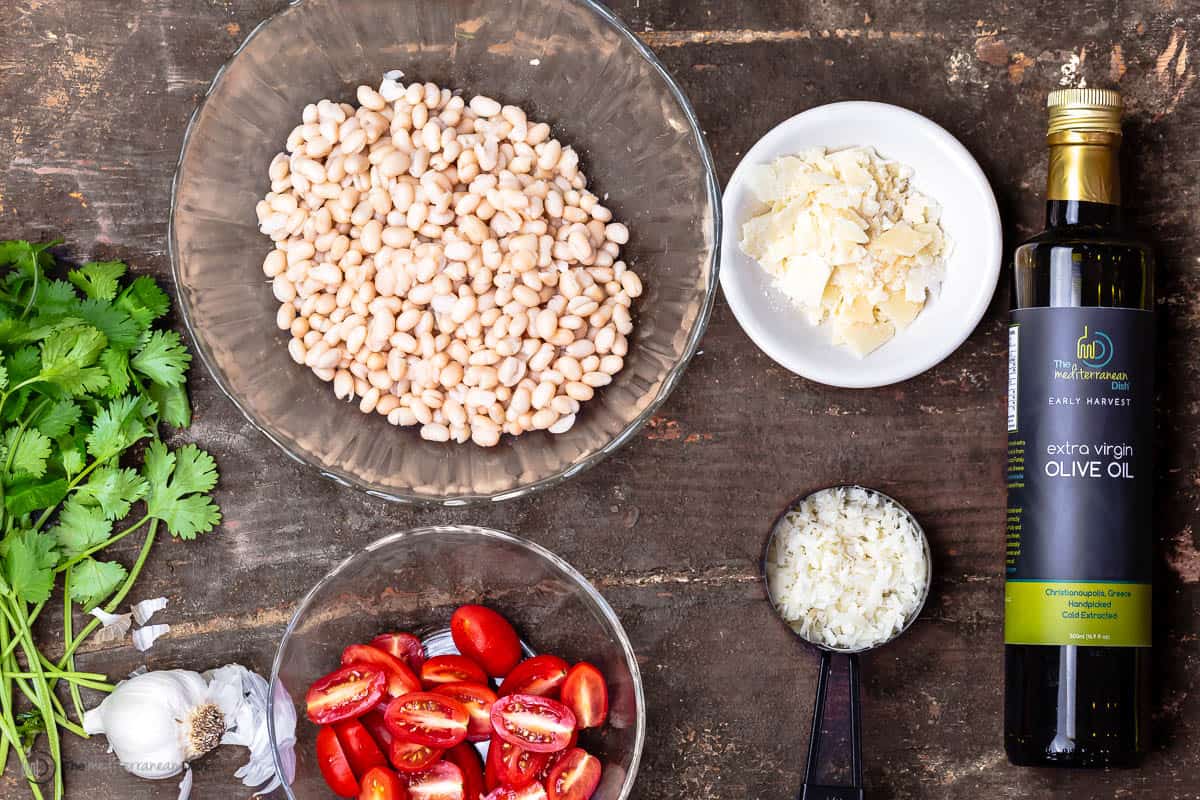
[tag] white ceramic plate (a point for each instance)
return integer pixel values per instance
(945, 172)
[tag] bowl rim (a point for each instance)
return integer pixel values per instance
(407, 495)
(592, 593)
(861, 374)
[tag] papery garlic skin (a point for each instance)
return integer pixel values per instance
(148, 721)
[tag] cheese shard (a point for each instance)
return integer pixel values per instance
(848, 240)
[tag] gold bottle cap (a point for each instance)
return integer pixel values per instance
(1084, 110)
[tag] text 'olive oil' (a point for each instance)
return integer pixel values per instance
(1080, 461)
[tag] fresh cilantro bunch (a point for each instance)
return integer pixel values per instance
(85, 379)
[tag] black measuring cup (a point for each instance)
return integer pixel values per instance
(839, 668)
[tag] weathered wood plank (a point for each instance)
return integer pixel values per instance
(671, 528)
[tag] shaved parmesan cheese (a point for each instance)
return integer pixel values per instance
(847, 239)
(847, 568)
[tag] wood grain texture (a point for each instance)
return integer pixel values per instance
(93, 103)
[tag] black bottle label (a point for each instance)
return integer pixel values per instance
(1080, 467)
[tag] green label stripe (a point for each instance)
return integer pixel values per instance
(1108, 614)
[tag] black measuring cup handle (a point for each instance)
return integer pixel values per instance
(815, 768)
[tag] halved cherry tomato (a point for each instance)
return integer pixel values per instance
(534, 723)
(512, 766)
(361, 750)
(575, 777)
(586, 694)
(335, 767)
(433, 720)
(478, 700)
(404, 646)
(554, 758)
(541, 675)
(373, 722)
(440, 670)
(400, 679)
(467, 759)
(411, 757)
(487, 637)
(534, 791)
(343, 694)
(380, 783)
(442, 781)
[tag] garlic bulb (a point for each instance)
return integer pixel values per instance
(158, 721)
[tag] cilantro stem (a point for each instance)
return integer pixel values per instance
(8, 728)
(68, 619)
(12, 645)
(13, 611)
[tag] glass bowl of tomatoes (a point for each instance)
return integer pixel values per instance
(458, 663)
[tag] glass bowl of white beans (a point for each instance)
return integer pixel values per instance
(412, 582)
(467, 280)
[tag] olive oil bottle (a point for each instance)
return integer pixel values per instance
(1080, 462)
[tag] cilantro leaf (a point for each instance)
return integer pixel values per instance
(173, 405)
(162, 358)
(3, 377)
(98, 279)
(116, 427)
(56, 299)
(93, 581)
(68, 356)
(25, 452)
(117, 326)
(22, 498)
(177, 484)
(144, 301)
(57, 418)
(114, 489)
(116, 366)
(29, 559)
(24, 364)
(80, 528)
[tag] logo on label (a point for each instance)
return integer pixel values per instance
(1094, 351)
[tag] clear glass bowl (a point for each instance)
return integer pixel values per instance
(568, 62)
(413, 581)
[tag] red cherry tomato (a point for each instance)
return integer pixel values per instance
(533, 723)
(478, 701)
(433, 720)
(403, 646)
(512, 766)
(575, 777)
(361, 750)
(554, 758)
(442, 781)
(373, 722)
(411, 757)
(488, 638)
(586, 694)
(380, 783)
(400, 679)
(349, 692)
(533, 791)
(440, 670)
(540, 675)
(467, 759)
(335, 767)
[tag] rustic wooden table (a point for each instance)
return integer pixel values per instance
(93, 102)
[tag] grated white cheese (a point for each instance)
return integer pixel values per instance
(847, 568)
(848, 240)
